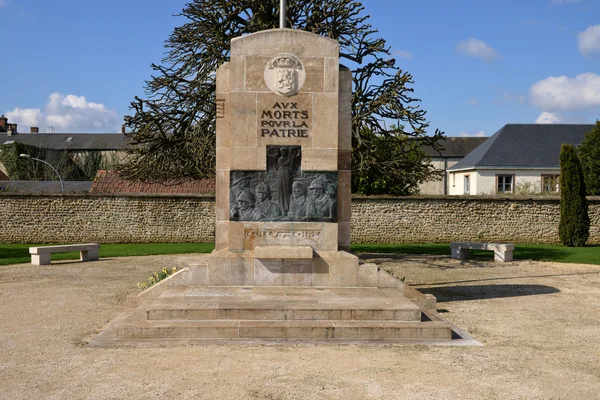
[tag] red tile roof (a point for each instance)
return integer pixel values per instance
(112, 182)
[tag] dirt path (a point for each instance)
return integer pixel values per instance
(540, 323)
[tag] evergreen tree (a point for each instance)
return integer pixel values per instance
(589, 154)
(574, 226)
(173, 128)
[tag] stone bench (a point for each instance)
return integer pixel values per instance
(502, 252)
(41, 255)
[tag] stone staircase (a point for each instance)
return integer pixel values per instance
(196, 315)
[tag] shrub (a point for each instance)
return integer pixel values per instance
(574, 226)
(589, 155)
(526, 188)
(157, 277)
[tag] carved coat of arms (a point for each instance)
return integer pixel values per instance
(285, 74)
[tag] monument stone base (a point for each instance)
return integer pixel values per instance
(286, 266)
(328, 299)
(174, 313)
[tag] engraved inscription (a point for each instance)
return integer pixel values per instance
(282, 236)
(285, 120)
(285, 234)
(285, 75)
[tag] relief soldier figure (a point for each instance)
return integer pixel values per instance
(266, 207)
(319, 203)
(246, 208)
(332, 193)
(298, 200)
(239, 183)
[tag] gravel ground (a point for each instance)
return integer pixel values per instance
(539, 322)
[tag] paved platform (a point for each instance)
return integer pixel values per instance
(206, 315)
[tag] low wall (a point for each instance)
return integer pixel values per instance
(49, 218)
(444, 219)
(106, 218)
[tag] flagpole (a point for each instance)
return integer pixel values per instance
(283, 12)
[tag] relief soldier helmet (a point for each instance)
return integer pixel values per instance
(247, 197)
(317, 184)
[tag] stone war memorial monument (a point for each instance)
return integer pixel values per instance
(281, 269)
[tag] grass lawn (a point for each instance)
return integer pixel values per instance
(537, 252)
(19, 253)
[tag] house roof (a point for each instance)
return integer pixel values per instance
(455, 146)
(69, 141)
(524, 146)
(112, 182)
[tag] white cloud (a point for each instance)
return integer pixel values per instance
(565, 93)
(588, 41)
(548, 118)
(477, 48)
(66, 114)
(476, 134)
(474, 102)
(403, 54)
(25, 117)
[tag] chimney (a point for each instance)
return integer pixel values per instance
(3, 123)
(11, 129)
(35, 129)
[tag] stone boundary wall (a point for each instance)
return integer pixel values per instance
(138, 218)
(50, 218)
(445, 219)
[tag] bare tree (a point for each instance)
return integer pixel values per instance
(173, 127)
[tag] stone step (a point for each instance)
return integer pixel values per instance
(329, 330)
(290, 312)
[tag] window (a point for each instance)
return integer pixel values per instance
(467, 185)
(505, 183)
(550, 183)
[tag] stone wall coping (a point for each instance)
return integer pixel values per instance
(355, 197)
(552, 199)
(110, 195)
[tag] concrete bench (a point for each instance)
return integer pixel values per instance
(41, 255)
(502, 252)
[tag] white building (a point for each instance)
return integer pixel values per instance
(454, 150)
(519, 158)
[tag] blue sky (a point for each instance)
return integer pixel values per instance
(75, 65)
